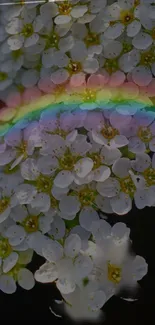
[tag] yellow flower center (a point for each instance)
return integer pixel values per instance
(127, 186)
(147, 58)
(14, 271)
(111, 65)
(127, 47)
(59, 131)
(52, 41)
(92, 39)
(108, 132)
(54, 202)
(127, 16)
(5, 248)
(31, 224)
(89, 95)
(27, 30)
(3, 76)
(59, 90)
(87, 196)
(144, 133)
(149, 175)
(22, 149)
(16, 54)
(74, 67)
(114, 273)
(44, 184)
(68, 161)
(153, 33)
(7, 169)
(65, 8)
(136, 3)
(96, 159)
(4, 203)
(20, 88)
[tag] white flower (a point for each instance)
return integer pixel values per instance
(144, 69)
(81, 198)
(129, 185)
(121, 16)
(29, 222)
(106, 135)
(70, 158)
(10, 253)
(63, 12)
(65, 125)
(7, 196)
(90, 36)
(115, 268)
(12, 268)
(18, 274)
(24, 30)
(92, 93)
(73, 67)
(141, 134)
(21, 143)
(65, 264)
(120, 189)
(102, 232)
(120, 271)
(145, 171)
(37, 191)
(84, 303)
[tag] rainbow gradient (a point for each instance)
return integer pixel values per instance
(64, 98)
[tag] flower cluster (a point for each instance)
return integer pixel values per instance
(59, 175)
(87, 154)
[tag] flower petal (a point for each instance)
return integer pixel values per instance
(53, 251)
(10, 261)
(109, 188)
(121, 204)
(110, 155)
(121, 167)
(57, 230)
(65, 286)
(69, 205)
(120, 231)
(139, 268)
(72, 245)
(142, 41)
(63, 179)
(83, 266)
(7, 156)
(25, 193)
(86, 218)
(142, 162)
(7, 284)
(16, 234)
(83, 167)
(26, 279)
(47, 273)
(41, 202)
(29, 169)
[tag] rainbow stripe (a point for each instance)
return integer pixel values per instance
(67, 99)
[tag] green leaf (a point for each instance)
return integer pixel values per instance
(72, 223)
(126, 153)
